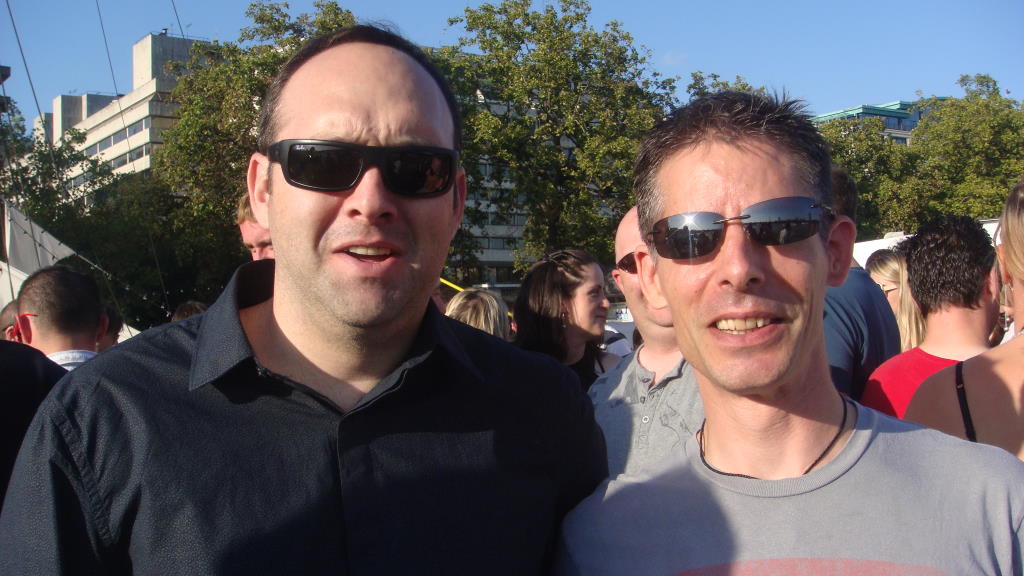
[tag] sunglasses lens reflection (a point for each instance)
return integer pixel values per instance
(773, 222)
(325, 166)
(693, 243)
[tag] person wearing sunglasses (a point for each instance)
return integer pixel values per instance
(785, 475)
(322, 416)
(888, 269)
(647, 405)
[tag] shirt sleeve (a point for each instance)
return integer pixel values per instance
(586, 461)
(843, 351)
(47, 522)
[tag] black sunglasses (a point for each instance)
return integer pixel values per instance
(627, 263)
(327, 166)
(770, 223)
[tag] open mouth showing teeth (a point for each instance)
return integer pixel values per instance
(369, 253)
(741, 325)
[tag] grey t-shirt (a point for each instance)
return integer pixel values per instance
(899, 499)
(644, 424)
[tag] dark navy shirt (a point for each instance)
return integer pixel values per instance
(27, 376)
(860, 331)
(176, 453)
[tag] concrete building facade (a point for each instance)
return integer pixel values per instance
(123, 130)
(899, 117)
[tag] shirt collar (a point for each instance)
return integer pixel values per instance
(221, 344)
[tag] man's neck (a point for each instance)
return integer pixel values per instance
(956, 333)
(59, 343)
(776, 437)
(341, 362)
(658, 357)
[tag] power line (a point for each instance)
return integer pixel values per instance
(175, 8)
(35, 98)
(113, 80)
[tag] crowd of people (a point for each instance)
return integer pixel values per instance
(329, 413)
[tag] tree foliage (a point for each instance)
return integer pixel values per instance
(554, 109)
(219, 91)
(38, 175)
(704, 84)
(963, 157)
(117, 224)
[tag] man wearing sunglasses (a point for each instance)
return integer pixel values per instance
(785, 475)
(648, 405)
(322, 416)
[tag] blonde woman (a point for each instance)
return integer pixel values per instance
(889, 270)
(480, 309)
(981, 399)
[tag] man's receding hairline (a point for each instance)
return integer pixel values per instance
(740, 143)
(447, 132)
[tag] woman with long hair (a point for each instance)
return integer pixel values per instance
(561, 311)
(981, 399)
(888, 268)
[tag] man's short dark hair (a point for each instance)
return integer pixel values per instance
(844, 193)
(731, 117)
(64, 300)
(948, 261)
(186, 309)
(361, 33)
(8, 315)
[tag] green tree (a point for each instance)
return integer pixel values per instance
(117, 224)
(40, 176)
(554, 109)
(968, 149)
(877, 164)
(206, 154)
(963, 157)
(704, 84)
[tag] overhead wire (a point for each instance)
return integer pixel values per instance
(35, 98)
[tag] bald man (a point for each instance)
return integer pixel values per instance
(648, 404)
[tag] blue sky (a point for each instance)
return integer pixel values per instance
(832, 55)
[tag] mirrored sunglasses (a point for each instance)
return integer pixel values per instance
(328, 166)
(774, 222)
(627, 263)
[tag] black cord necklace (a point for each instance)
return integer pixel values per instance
(702, 435)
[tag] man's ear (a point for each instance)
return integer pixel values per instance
(646, 268)
(842, 236)
(101, 330)
(24, 323)
(617, 278)
(994, 282)
(258, 184)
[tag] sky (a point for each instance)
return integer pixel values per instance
(833, 55)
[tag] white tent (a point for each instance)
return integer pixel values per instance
(29, 248)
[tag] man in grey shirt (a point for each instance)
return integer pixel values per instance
(648, 404)
(785, 476)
